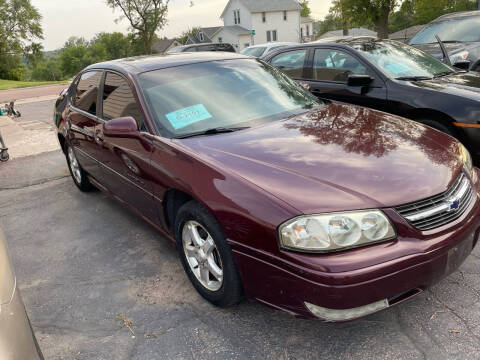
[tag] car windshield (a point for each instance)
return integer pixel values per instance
(397, 60)
(221, 94)
(254, 51)
(453, 30)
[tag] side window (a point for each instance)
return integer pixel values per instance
(335, 65)
(87, 92)
(291, 63)
(119, 101)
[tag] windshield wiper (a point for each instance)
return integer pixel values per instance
(213, 131)
(413, 78)
(444, 73)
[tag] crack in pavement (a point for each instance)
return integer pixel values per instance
(39, 182)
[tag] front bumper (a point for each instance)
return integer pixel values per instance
(359, 279)
(17, 340)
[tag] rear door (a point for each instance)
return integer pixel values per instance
(126, 161)
(328, 78)
(83, 121)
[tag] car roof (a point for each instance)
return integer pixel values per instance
(140, 64)
(457, 15)
(345, 41)
(272, 44)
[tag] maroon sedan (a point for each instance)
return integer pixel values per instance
(315, 208)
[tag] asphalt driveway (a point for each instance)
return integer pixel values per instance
(99, 283)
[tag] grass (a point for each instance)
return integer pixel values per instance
(10, 84)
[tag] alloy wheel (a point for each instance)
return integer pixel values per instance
(202, 255)
(74, 166)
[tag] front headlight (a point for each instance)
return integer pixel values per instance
(336, 231)
(461, 56)
(466, 159)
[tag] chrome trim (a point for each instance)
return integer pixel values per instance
(439, 210)
(445, 207)
(127, 179)
(85, 154)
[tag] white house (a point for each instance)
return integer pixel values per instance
(271, 20)
(306, 29)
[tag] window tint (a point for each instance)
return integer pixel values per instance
(334, 65)
(291, 63)
(119, 101)
(87, 92)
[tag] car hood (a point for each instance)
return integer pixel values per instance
(340, 157)
(464, 84)
(452, 48)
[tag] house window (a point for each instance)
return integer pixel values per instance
(236, 16)
(220, 40)
(264, 17)
(308, 30)
(269, 36)
(285, 16)
(274, 33)
(246, 45)
(301, 32)
(201, 37)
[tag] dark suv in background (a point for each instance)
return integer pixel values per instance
(202, 47)
(460, 32)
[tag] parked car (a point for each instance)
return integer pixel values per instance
(460, 34)
(389, 76)
(17, 340)
(315, 208)
(262, 50)
(202, 47)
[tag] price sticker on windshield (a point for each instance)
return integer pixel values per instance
(187, 116)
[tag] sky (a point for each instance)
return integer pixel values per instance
(65, 18)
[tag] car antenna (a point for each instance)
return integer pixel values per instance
(446, 58)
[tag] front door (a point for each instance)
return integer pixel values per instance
(329, 79)
(83, 122)
(126, 161)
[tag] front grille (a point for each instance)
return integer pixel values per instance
(439, 210)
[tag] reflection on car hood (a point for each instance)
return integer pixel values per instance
(466, 85)
(452, 48)
(341, 157)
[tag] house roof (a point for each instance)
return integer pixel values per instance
(237, 30)
(406, 34)
(351, 32)
(162, 45)
(256, 6)
(211, 31)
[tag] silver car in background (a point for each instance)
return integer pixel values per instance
(17, 341)
(262, 50)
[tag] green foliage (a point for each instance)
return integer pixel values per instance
(19, 26)
(49, 70)
(145, 17)
(187, 34)
(306, 12)
(330, 23)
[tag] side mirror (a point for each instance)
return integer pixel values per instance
(359, 80)
(121, 127)
(462, 65)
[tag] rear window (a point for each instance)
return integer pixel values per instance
(87, 92)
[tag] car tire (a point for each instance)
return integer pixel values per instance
(439, 126)
(79, 176)
(206, 255)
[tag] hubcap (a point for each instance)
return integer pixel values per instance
(74, 166)
(202, 255)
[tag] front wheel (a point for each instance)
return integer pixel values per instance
(79, 176)
(206, 256)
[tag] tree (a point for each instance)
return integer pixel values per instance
(187, 34)
(75, 56)
(145, 17)
(361, 12)
(19, 26)
(305, 8)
